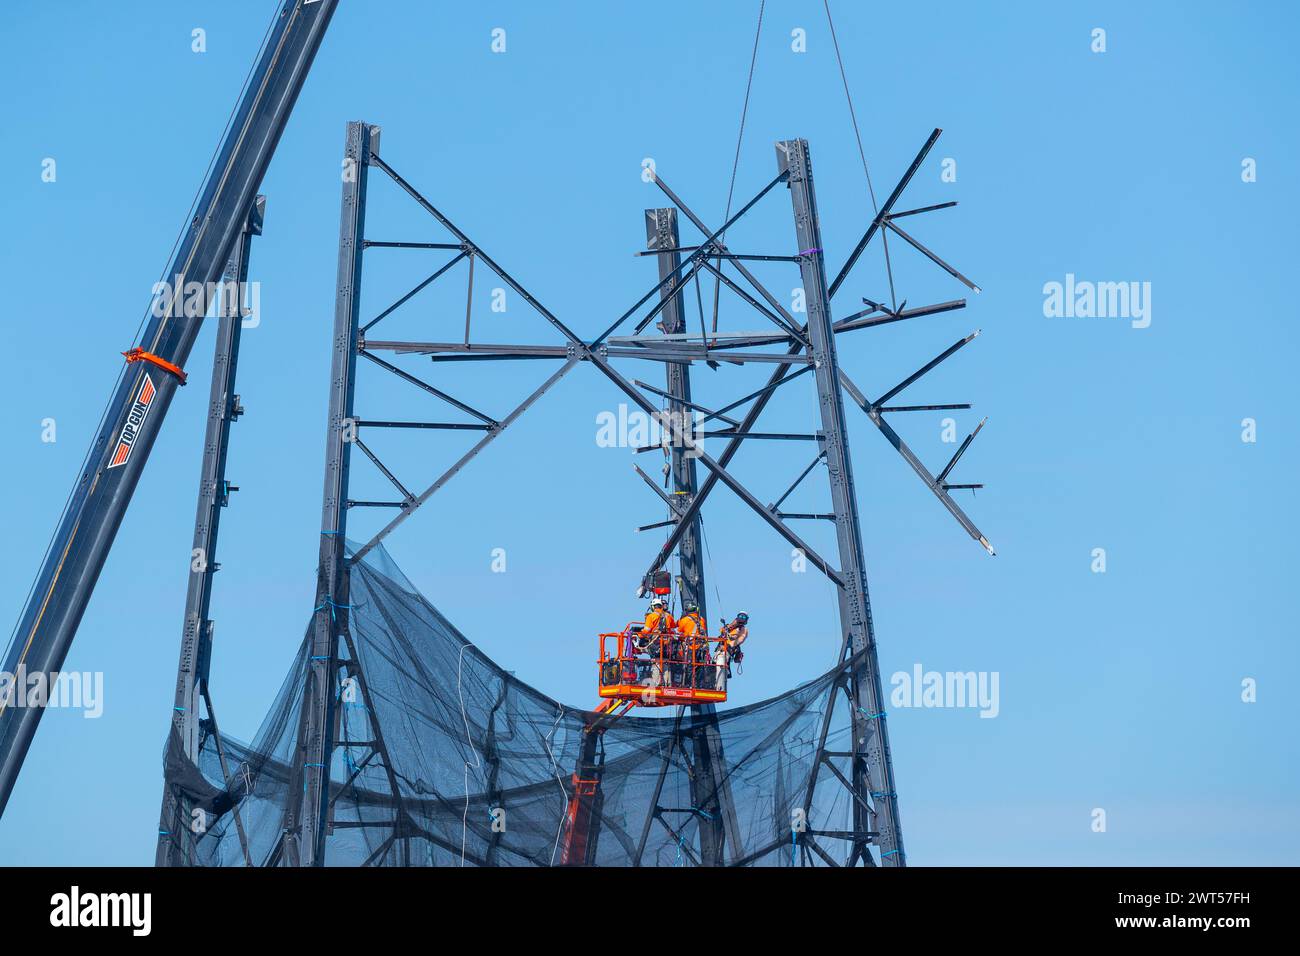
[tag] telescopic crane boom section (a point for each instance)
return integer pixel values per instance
(136, 410)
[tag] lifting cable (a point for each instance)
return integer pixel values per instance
(717, 282)
(853, 117)
(735, 165)
(704, 539)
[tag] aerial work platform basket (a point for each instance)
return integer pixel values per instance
(659, 668)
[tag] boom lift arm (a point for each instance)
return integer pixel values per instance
(135, 413)
(581, 829)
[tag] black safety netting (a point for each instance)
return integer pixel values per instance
(446, 759)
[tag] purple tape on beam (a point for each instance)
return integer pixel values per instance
(808, 252)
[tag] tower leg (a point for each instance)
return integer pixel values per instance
(305, 831)
(872, 773)
(710, 791)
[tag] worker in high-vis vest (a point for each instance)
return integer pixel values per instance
(658, 619)
(695, 646)
(660, 635)
(733, 635)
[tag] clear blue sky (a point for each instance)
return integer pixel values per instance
(1119, 691)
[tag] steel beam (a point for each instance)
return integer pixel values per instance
(306, 832)
(493, 433)
(872, 764)
(436, 392)
(883, 215)
(761, 397)
(772, 300)
(795, 484)
(916, 244)
(214, 495)
(668, 352)
(692, 405)
(866, 319)
(695, 256)
(719, 472)
(485, 350)
(874, 413)
(424, 283)
(694, 353)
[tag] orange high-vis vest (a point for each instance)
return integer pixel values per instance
(652, 621)
(691, 625)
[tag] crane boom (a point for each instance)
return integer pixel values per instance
(131, 423)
